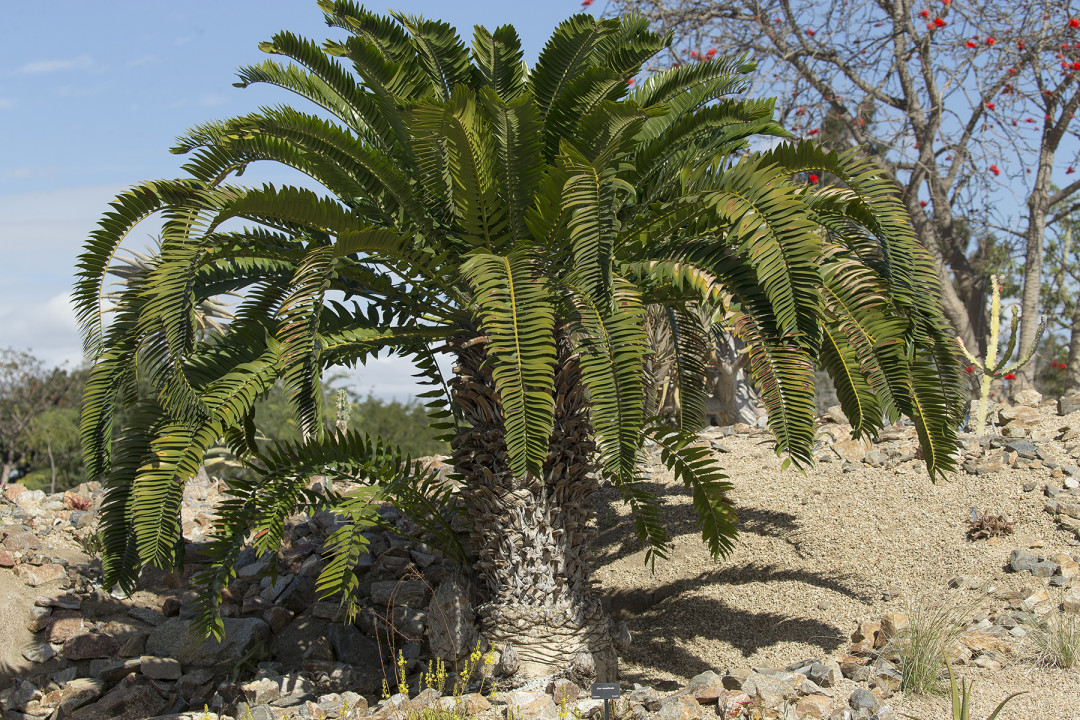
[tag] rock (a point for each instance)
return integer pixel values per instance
(1028, 398)
(38, 652)
(160, 668)
(8, 558)
(852, 451)
(621, 637)
(508, 662)
(1022, 561)
(34, 575)
(894, 624)
(1023, 448)
(531, 704)
(277, 618)
(150, 616)
(90, 645)
(863, 699)
(173, 639)
(411, 593)
(1071, 602)
(678, 707)
(334, 612)
(352, 647)
(452, 629)
(80, 692)
(63, 601)
(705, 687)
(261, 692)
(65, 625)
(1068, 404)
(126, 701)
(771, 690)
(813, 707)
(40, 617)
(563, 691)
(827, 674)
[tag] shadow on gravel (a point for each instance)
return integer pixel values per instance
(661, 633)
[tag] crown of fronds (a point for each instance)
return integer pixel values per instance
(461, 193)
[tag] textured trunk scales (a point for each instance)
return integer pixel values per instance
(531, 536)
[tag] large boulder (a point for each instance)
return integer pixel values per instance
(173, 639)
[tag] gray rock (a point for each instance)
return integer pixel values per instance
(39, 619)
(1068, 404)
(826, 674)
(173, 639)
(160, 668)
(39, 652)
(509, 662)
(150, 616)
(1022, 561)
(413, 593)
(451, 629)
(863, 699)
(297, 638)
(126, 701)
(352, 647)
(1023, 448)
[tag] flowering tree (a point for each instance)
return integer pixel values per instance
(970, 104)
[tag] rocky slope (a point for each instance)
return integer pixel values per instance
(796, 622)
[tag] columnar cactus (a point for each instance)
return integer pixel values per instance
(993, 367)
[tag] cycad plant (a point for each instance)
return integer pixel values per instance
(521, 220)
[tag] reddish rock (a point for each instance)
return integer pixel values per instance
(90, 645)
(21, 540)
(7, 558)
(815, 707)
(13, 491)
(34, 575)
(65, 625)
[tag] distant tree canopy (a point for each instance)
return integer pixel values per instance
(39, 421)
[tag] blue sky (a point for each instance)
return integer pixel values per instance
(92, 95)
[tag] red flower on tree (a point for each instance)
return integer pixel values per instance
(969, 368)
(1074, 23)
(812, 131)
(814, 179)
(1069, 170)
(990, 41)
(1010, 376)
(924, 13)
(940, 22)
(809, 32)
(989, 106)
(994, 169)
(970, 44)
(1076, 66)
(586, 3)
(922, 203)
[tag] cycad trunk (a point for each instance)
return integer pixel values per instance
(531, 536)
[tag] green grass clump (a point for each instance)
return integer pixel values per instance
(1057, 640)
(933, 630)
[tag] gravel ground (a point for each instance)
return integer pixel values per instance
(817, 553)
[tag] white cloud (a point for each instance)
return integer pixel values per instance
(45, 329)
(40, 67)
(144, 60)
(25, 173)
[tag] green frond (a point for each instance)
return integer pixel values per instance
(723, 75)
(498, 63)
(515, 312)
(613, 344)
(440, 52)
(694, 464)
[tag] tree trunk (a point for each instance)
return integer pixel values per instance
(1038, 205)
(1072, 365)
(531, 536)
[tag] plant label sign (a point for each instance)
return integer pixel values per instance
(605, 691)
